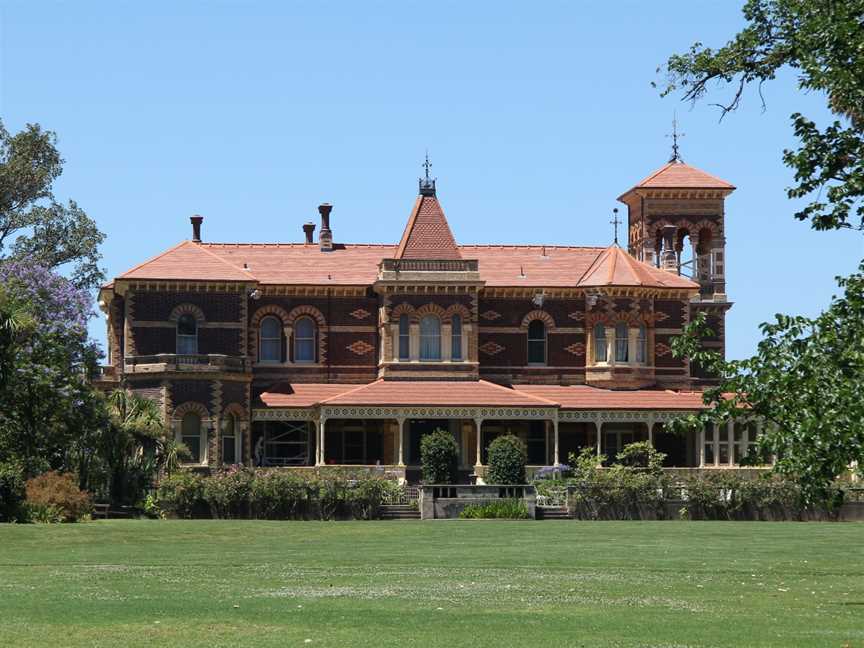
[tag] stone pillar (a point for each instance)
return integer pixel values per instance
(598, 426)
(650, 425)
(288, 332)
(414, 341)
(610, 345)
(401, 459)
(557, 462)
(446, 342)
(478, 425)
(669, 257)
(702, 447)
(730, 440)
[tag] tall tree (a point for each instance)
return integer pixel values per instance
(823, 42)
(34, 227)
(807, 376)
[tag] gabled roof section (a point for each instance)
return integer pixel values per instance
(677, 175)
(427, 234)
(477, 393)
(188, 261)
(614, 267)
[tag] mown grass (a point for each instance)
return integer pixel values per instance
(450, 583)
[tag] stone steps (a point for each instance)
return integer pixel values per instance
(399, 512)
(552, 513)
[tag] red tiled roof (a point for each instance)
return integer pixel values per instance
(615, 267)
(677, 175)
(189, 261)
(584, 397)
(302, 394)
(357, 265)
(427, 234)
(478, 393)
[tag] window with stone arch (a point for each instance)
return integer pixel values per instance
(305, 340)
(456, 337)
(187, 334)
(430, 338)
(600, 349)
(192, 436)
(622, 342)
(536, 342)
(642, 344)
(232, 439)
(404, 337)
(270, 340)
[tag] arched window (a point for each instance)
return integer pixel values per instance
(232, 440)
(404, 337)
(430, 338)
(456, 337)
(599, 343)
(642, 345)
(537, 342)
(187, 334)
(304, 340)
(270, 338)
(190, 435)
(622, 342)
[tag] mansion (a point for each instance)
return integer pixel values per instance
(328, 353)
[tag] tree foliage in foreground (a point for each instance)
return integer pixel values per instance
(34, 227)
(806, 382)
(823, 42)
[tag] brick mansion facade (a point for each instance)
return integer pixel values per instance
(327, 353)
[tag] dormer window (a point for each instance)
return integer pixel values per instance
(430, 338)
(537, 343)
(187, 335)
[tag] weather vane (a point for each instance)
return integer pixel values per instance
(427, 165)
(676, 154)
(615, 222)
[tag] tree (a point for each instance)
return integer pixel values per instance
(507, 457)
(823, 41)
(34, 227)
(46, 399)
(805, 382)
(439, 456)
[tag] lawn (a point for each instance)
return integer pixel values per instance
(447, 583)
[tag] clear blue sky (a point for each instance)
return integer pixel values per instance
(536, 116)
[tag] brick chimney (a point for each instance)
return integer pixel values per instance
(668, 258)
(196, 221)
(325, 236)
(309, 230)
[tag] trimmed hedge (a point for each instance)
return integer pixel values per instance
(507, 457)
(505, 509)
(439, 457)
(271, 494)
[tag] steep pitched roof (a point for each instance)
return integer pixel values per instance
(427, 234)
(188, 261)
(614, 267)
(677, 175)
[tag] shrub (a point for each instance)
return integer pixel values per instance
(279, 495)
(55, 496)
(507, 457)
(228, 491)
(12, 493)
(181, 493)
(505, 509)
(438, 456)
(641, 455)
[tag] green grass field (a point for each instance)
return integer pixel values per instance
(448, 583)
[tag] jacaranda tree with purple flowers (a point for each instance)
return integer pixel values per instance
(47, 404)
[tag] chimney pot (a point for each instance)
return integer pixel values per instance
(196, 221)
(308, 230)
(325, 236)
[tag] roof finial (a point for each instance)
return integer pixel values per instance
(427, 184)
(676, 153)
(615, 222)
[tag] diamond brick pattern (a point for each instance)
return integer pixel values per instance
(360, 348)
(360, 313)
(660, 316)
(578, 316)
(577, 349)
(661, 349)
(490, 315)
(491, 348)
